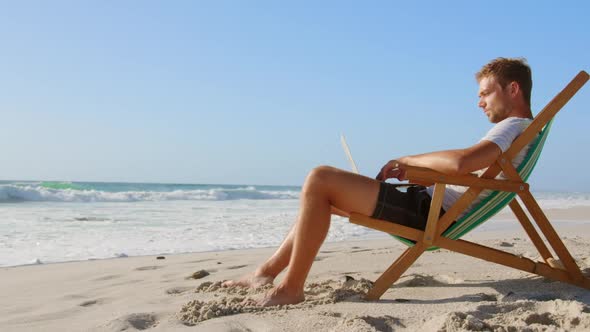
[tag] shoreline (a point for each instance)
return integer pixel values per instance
(365, 238)
(503, 220)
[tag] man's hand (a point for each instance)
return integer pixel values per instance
(393, 169)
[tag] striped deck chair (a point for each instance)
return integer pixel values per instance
(443, 232)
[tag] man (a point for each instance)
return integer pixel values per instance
(504, 96)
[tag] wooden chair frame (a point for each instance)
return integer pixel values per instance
(563, 269)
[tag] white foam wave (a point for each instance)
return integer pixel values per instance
(37, 194)
(562, 200)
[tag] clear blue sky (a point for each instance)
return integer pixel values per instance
(257, 92)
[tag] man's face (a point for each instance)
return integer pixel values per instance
(494, 100)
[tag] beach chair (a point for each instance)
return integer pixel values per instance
(444, 232)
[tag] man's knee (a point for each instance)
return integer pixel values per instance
(318, 178)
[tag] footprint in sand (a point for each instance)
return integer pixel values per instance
(420, 280)
(369, 323)
(177, 290)
(108, 277)
(91, 303)
(140, 321)
(199, 261)
(125, 283)
(360, 250)
(329, 314)
(236, 267)
(148, 268)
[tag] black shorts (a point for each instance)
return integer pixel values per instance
(408, 208)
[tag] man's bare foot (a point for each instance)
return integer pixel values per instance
(252, 280)
(279, 296)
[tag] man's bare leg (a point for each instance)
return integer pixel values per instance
(324, 188)
(268, 271)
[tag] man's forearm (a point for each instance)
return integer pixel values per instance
(448, 161)
(459, 161)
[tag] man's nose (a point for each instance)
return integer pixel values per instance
(481, 103)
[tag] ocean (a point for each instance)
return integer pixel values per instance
(46, 222)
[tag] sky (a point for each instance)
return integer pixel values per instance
(258, 92)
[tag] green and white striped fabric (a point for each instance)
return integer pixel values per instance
(497, 200)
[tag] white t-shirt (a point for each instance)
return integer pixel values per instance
(503, 134)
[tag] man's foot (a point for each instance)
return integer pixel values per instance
(252, 280)
(279, 296)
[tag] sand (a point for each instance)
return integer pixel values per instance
(443, 291)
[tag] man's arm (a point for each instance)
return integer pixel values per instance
(452, 162)
(455, 162)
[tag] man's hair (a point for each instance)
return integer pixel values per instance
(507, 70)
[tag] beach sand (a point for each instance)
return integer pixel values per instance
(442, 291)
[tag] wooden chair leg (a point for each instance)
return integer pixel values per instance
(531, 231)
(395, 271)
(510, 260)
(551, 235)
(434, 213)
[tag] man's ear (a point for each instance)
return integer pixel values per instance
(513, 88)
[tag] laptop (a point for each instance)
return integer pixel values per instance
(348, 154)
(353, 164)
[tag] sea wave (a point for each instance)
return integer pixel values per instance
(36, 193)
(552, 200)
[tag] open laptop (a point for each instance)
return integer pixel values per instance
(348, 154)
(353, 164)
